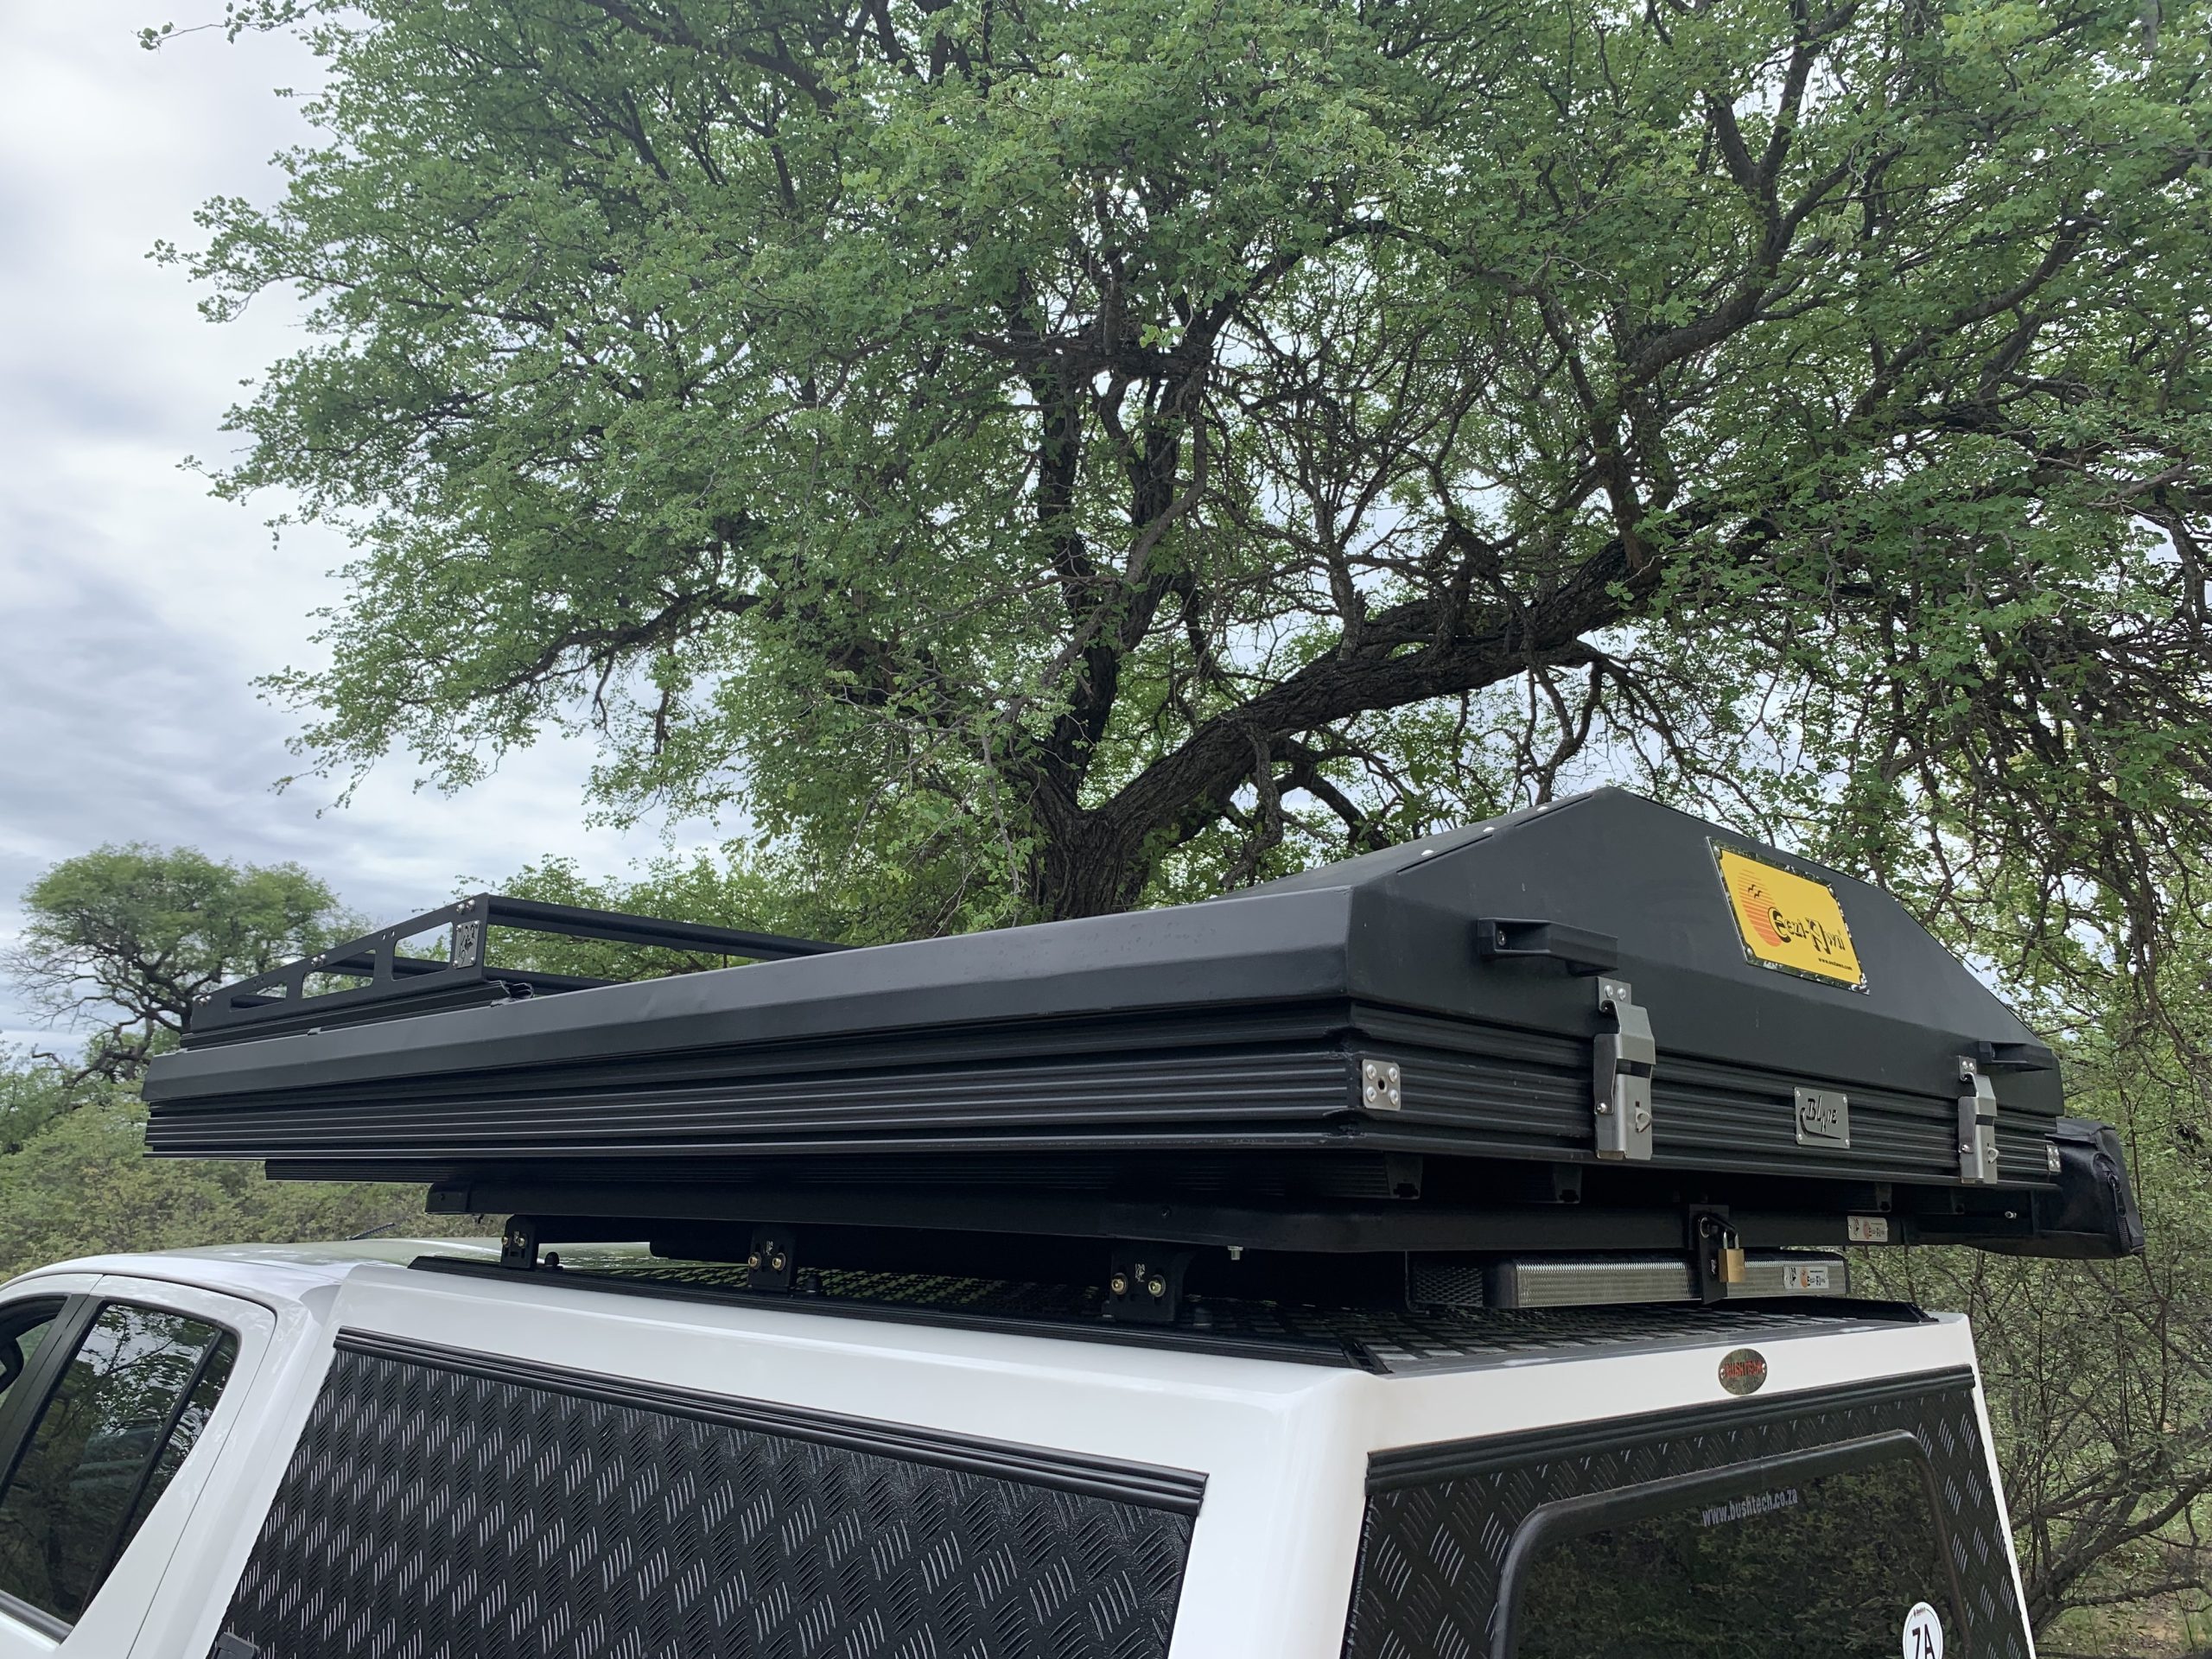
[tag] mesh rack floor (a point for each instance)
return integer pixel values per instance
(1380, 1340)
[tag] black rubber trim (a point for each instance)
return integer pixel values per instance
(1415, 1465)
(1348, 1354)
(1144, 1486)
(38, 1619)
(1572, 1517)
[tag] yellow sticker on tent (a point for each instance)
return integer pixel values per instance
(1789, 921)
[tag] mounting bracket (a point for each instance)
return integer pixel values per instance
(1145, 1284)
(1622, 1057)
(1977, 1126)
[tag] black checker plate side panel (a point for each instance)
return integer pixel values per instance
(429, 1514)
(1432, 1549)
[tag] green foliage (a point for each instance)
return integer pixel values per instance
(1031, 456)
(2100, 1374)
(738, 892)
(121, 939)
(82, 1184)
(31, 1096)
(127, 937)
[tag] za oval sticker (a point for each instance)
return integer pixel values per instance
(1743, 1371)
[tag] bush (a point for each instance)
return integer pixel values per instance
(82, 1184)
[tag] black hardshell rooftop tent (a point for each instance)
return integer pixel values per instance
(1598, 1026)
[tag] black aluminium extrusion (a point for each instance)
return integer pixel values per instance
(1144, 1486)
(1417, 1465)
(1314, 1229)
(1346, 1354)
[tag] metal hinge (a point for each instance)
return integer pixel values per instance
(1977, 1126)
(1622, 1058)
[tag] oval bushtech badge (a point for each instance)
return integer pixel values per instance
(1743, 1371)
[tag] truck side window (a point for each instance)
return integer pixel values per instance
(1846, 1564)
(119, 1420)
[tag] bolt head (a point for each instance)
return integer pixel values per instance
(1157, 1286)
(754, 1259)
(777, 1262)
(1119, 1284)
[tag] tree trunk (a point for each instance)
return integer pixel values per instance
(1088, 867)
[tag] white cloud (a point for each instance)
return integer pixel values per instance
(135, 611)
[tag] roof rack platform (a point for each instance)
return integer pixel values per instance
(1585, 1022)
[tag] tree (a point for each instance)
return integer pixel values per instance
(32, 1095)
(1033, 456)
(2099, 1384)
(125, 938)
(83, 1185)
(121, 940)
(2098, 1376)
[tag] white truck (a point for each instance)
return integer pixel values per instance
(1438, 1255)
(318, 1451)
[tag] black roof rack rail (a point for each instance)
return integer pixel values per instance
(313, 994)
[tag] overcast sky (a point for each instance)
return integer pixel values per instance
(138, 610)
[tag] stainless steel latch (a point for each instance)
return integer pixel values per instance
(1622, 1058)
(1977, 1126)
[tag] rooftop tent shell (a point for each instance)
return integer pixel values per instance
(1414, 1049)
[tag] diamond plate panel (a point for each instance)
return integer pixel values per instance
(432, 1514)
(1436, 1536)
